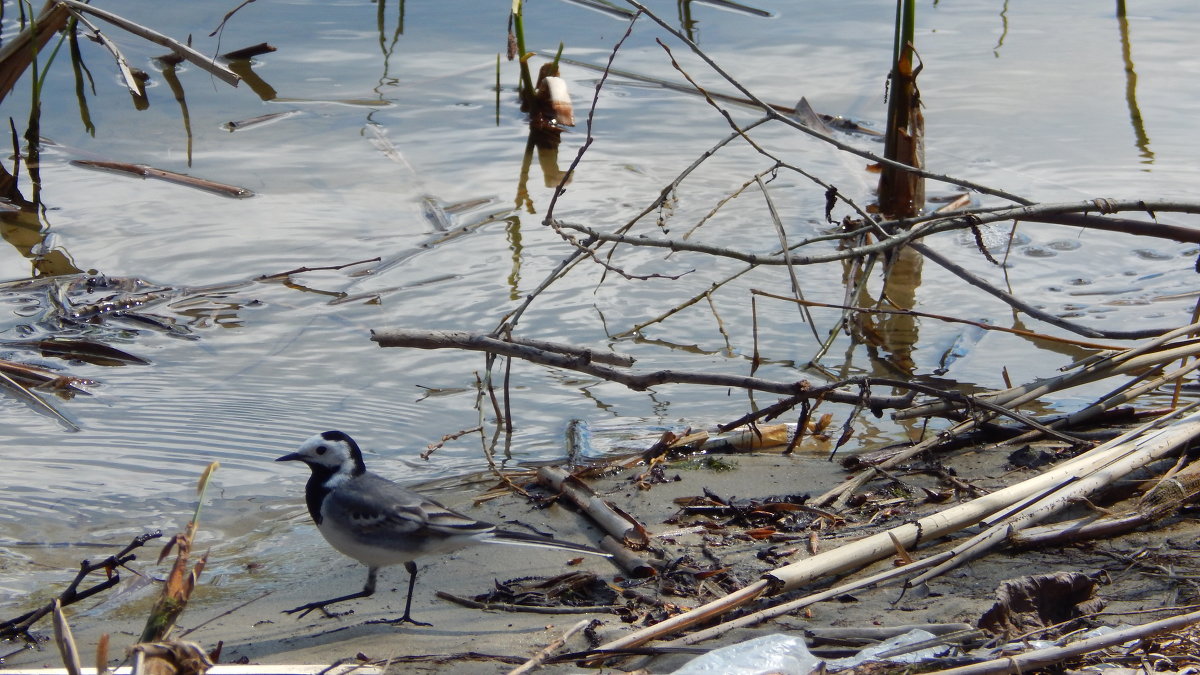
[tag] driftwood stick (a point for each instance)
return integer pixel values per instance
(881, 633)
(131, 81)
(1165, 498)
(972, 512)
(700, 614)
(1076, 214)
(632, 564)
(901, 237)
(1122, 395)
(1029, 661)
(619, 525)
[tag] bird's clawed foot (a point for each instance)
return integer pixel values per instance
(407, 618)
(402, 620)
(305, 609)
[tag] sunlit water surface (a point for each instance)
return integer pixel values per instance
(396, 105)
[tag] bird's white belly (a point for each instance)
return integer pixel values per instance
(371, 555)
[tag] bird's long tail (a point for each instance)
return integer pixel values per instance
(526, 539)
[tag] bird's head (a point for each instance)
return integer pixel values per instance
(330, 453)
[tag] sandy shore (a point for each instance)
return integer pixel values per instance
(241, 606)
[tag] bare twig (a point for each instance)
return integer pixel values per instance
(19, 626)
(531, 609)
(939, 317)
(397, 337)
(540, 658)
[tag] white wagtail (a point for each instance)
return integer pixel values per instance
(380, 523)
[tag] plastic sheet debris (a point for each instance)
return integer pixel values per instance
(789, 655)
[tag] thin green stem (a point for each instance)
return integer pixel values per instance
(526, 93)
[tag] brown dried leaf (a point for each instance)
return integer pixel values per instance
(1039, 601)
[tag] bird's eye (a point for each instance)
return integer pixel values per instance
(321, 449)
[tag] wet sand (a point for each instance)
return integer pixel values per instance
(298, 567)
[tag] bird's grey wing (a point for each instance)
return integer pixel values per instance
(371, 505)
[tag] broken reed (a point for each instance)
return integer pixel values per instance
(902, 193)
(181, 581)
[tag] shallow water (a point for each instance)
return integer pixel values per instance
(1030, 97)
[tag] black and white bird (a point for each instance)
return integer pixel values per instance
(380, 523)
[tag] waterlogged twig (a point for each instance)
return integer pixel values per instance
(131, 81)
(1027, 308)
(200, 60)
(143, 171)
(34, 401)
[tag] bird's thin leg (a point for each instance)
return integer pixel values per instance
(368, 589)
(412, 582)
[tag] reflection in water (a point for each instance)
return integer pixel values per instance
(79, 68)
(243, 70)
(172, 79)
(23, 226)
(1135, 115)
(899, 331)
(512, 232)
(1003, 29)
(686, 23)
(385, 46)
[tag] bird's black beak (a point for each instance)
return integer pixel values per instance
(294, 457)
